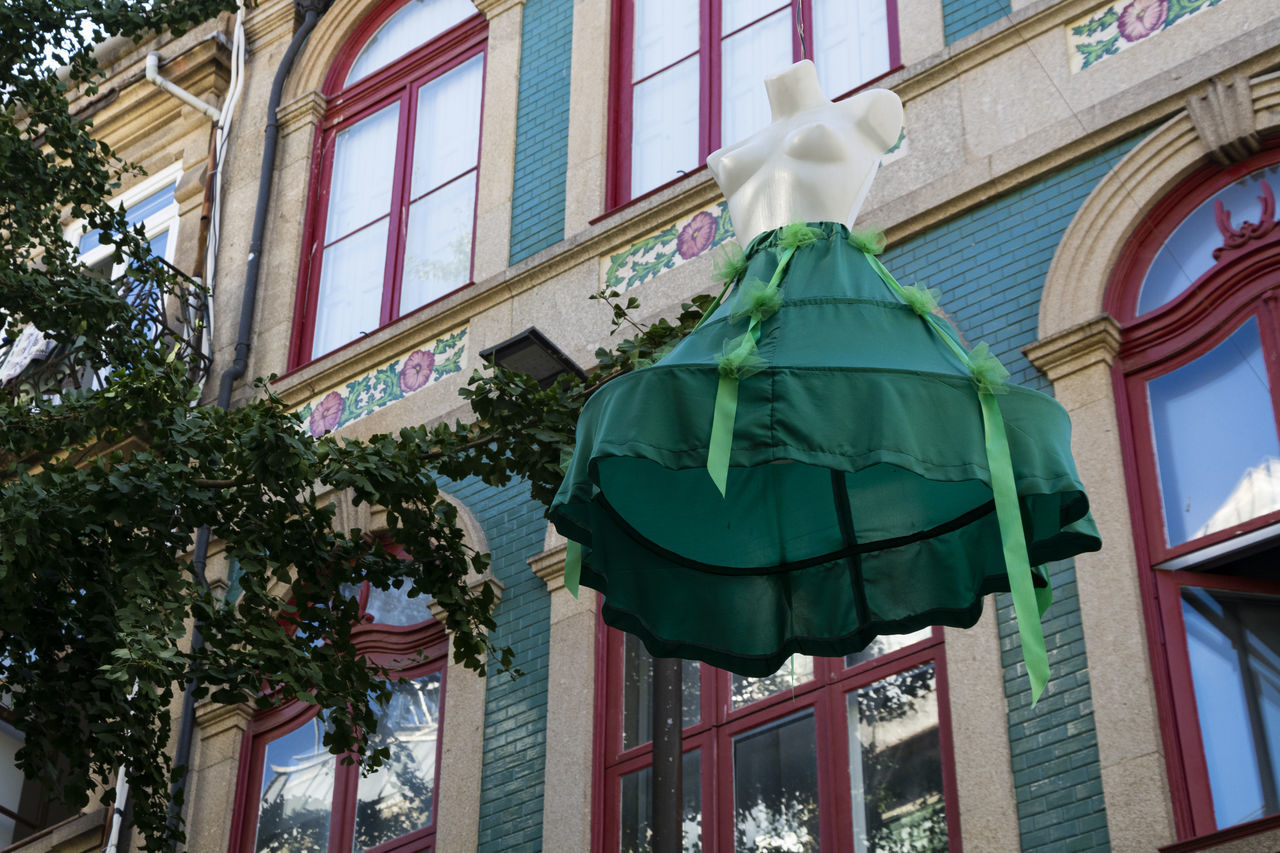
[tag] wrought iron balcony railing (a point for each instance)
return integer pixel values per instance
(174, 313)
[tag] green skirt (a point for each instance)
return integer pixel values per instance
(858, 500)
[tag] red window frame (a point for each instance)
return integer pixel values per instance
(620, 101)
(718, 725)
(412, 651)
(398, 81)
(1244, 283)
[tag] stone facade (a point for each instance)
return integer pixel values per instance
(1026, 172)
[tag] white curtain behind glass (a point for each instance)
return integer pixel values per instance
(349, 303)
(415, 24)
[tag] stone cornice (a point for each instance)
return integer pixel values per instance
(1092, 342)
(493, 8)
(304, 111)
(549, 567)
(215, 717)
(268, 22)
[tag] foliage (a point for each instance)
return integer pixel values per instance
(105, 489)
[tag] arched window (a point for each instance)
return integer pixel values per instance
(296, 797)
(688, 76)
(1197, 295)
(845, 753)
(390, 225)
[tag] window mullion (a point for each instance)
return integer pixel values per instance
(399, 207)
(1269, 322)
(709, 63)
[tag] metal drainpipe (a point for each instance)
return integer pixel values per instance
(312, 10)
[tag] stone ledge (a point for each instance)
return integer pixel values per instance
(549, 567)
(1092, 342)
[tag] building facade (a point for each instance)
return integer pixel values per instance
(1089, 183)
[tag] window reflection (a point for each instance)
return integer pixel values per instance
(637, 693)
(883, 645)
(895, 764)
(1216, 471)
(297, 792)
(1188, 253)
(775, 787)
(796, 671)
(397, 798)
(637, 807)
(1233, 642)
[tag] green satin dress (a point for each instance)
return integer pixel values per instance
(858, 499)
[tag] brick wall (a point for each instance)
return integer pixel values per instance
(990, 264)
(961, 17)
(542, 128)
(515, 730)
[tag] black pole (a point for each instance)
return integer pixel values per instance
(668, 834)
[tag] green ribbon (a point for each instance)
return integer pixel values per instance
(1027, 600)
(572, 567)
(726, 407)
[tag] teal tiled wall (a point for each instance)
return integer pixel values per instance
(515, 713)
(542, 127)
(961, 17)
(990, 264)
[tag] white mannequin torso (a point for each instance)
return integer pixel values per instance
(814, 162)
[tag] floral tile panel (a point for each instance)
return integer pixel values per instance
(667, 249)
(1116, 26)
(685, 240)
(383, 386)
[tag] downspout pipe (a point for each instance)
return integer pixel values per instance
(312, 10)
(249, 298)
(153, 75)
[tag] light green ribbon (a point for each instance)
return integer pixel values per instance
(731, 371)
(572, 567)
(1029, 604)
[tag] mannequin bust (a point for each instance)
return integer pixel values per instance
(814, 162)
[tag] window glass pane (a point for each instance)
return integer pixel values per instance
(637, 693)
(895, 764)
(437, 258)
(142, 210)
(135, 214)
(395, 607)
(851, 43)
(664, 127)
(364, 163)
(417, 23)
(759, 50)
(665, 30)
(775, 787)
(1233, 641)
(735, 14)
(1188, 253)
(159, 245)
(297, 792)
(397, 798)
(743, 691)
(446, 140)
(350, 299)
(637, 807)
(1216, 470)
(885, 644)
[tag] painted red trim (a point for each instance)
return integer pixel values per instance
(1242, 284)
(825, 696)
(618, 185)
(397, 82)
(895, 44)
(1222, 836)
(621, 88)
(1151, 232)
